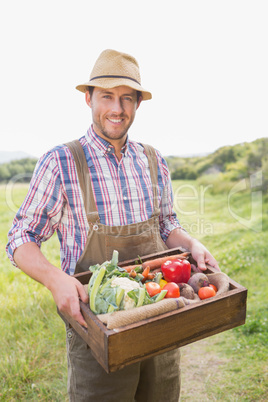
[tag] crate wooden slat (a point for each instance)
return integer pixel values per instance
(115, 349)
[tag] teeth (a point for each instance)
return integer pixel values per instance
(115, 120)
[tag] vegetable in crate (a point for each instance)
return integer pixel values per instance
(178, 271)
(198, 281)
(111, 288)
(173, 290)
(206, 292)
(186, 291)
(153, 288)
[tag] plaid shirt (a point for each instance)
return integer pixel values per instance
(122, 191)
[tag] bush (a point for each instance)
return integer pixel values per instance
(184, 173)
(23, 167)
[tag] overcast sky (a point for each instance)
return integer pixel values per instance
(205, 62)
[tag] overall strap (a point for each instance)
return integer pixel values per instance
(84, 180)
(152, 160)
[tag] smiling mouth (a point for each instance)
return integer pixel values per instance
(116, 121)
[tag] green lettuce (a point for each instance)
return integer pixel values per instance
(105, 296)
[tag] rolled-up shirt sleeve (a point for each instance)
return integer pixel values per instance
(168, 219)
(40, 213)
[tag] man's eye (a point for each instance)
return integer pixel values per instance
(128, 98)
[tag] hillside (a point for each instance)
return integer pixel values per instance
(231, 162)
(8, 156)
(18, 170)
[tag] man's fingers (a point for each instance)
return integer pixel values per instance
(80, 319)
(82, 292)
(215, 266)
(76, 313)
(84, 297)
(201, 263)
(67, 298)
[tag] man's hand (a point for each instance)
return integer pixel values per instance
(202, 256)
(66, 292)
(65, 289)
(180, 238)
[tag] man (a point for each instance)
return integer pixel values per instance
(101, 193)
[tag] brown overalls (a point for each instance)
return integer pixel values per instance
(155, 379)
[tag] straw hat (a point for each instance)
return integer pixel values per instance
(113, 69)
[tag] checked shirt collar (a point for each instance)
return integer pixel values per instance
(102, 146)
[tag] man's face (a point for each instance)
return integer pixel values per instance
(113, 111)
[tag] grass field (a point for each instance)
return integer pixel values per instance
(231, 366)
(236, 360)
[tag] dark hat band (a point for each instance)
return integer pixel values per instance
(115, 76)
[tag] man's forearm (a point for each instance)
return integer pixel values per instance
(32, 261)
(179, 238)
(66, 290)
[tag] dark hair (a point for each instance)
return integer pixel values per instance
(91, 89)
(139, 94)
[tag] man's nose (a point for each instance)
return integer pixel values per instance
(117, 106)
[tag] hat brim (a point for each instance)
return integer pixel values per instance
(108, 83)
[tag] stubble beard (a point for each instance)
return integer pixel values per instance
(109, 135)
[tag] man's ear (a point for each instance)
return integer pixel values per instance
(88, 99)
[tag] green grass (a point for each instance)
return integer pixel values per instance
(243, 255)
(32, 350)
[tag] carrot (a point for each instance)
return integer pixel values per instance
(145, 273)
(129, 268)
(157, 262)
(156, 270)
(133, 273)
(151, 276)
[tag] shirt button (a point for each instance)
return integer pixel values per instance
(109, 149)
(124, 198)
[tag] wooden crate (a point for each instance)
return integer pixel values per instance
(115, 349)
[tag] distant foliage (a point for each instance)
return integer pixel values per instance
(17, 170)
(184, 173)
(230, 162)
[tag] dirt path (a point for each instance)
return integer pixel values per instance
(200, 366)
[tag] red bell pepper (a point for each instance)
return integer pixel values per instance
(178, 271)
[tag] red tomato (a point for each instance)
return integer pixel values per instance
(206, 292)
(152, 288)
(178, 271)
(213, 287)
(173, 289)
